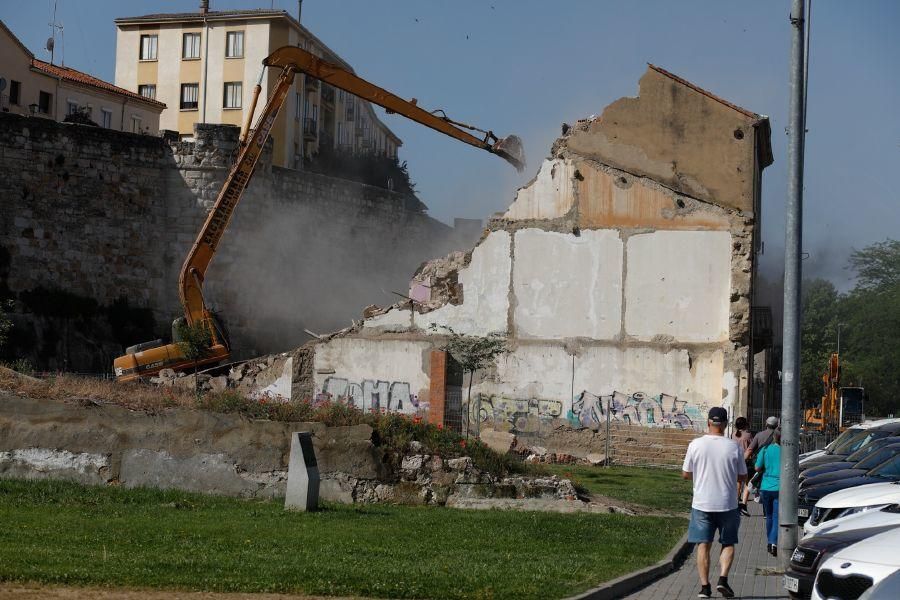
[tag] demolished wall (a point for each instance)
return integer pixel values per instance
(107, 216)
(621, 276)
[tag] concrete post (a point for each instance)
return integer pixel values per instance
(303, 474)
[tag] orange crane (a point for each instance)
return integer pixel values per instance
(149, 358)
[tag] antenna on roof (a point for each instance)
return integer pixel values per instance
(299, 9)
(51, 41)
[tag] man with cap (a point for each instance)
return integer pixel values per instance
(716, 465)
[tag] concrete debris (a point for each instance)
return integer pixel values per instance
(595, 458)
(436, 282)
(498, 441)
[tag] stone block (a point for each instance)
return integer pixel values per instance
(303, 474)
(498, 441)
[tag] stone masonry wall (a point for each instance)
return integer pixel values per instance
(106, 215)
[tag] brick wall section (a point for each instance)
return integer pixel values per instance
(105, 214)
(437, 392)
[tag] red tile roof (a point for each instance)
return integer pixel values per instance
(69, 74)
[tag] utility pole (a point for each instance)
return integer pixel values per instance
(790, 406)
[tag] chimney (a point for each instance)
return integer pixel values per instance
(204, 7)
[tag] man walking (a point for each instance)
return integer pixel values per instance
(716, 466)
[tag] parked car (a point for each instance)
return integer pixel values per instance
(847, 433)
(851, 460)
(849, 572)
(860, 440)
(832, 510)
(859, 468)
(807, 499)
(866, 519)
(812, 552)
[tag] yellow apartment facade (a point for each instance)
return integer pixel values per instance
(33, 87)
(204, 66)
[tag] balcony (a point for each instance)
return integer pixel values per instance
(312, 84)
(310, 129)
(349, 113)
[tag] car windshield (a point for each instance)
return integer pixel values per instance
(867, 437)
(869, 449)
(839, 440)
(876, 458)
(889, 469)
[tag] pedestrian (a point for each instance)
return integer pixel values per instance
(760, 440)
(743, 438)
(715, 465)
(769, 463)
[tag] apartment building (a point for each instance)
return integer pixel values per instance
(204, 66)
(34, 87)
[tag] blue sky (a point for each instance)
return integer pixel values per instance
(526, 66)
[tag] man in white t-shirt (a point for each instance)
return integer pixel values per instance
(716, 465)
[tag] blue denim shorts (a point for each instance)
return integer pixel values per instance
(703, 526)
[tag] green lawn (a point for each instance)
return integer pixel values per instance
(62, 533)
(654, 488)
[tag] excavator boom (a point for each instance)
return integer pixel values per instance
(509, 148)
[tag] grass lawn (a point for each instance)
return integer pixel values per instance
(661, 489)
(61, 533)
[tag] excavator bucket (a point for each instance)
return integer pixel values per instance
(511, 150)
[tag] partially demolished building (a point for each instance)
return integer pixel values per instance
(621, 277)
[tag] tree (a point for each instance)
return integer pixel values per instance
(818, 336)
(869, 317)
(473, 352)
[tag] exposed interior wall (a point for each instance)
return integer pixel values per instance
(621, 281)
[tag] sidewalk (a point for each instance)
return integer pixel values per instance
(750, 555)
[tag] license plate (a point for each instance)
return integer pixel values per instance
(803, 512)
(791, 584)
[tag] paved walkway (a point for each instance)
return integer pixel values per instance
(750, 555)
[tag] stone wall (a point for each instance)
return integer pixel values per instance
(106, 216)
(226, 454)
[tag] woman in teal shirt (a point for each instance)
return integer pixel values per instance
(769, 462)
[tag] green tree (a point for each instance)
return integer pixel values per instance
(473, 352)
(818, 338)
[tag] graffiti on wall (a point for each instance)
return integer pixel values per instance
(663, 410)
(518, 416)
(368, 394)
(536, 416)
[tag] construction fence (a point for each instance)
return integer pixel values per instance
(612, 442)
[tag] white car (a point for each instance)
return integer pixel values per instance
(836, 508)
(853, 570)
(888, 589)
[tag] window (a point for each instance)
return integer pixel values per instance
(44, 101)
(234, 44)
(340, 133)
(135, 124)
(190, 45)
(107, 117)
(189, 94)
(148, 47)
(147, 90)
(298, 110)
(233, 94)
(15, 88)
(71, 107)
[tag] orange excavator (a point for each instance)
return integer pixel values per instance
(149, 358)
(840, 407)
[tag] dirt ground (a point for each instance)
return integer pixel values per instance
(29, 591)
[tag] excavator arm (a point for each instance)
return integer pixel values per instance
(292, 60)
(509, 148)
(145, 360)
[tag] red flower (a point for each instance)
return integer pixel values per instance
(440, 426)
(462, 443)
